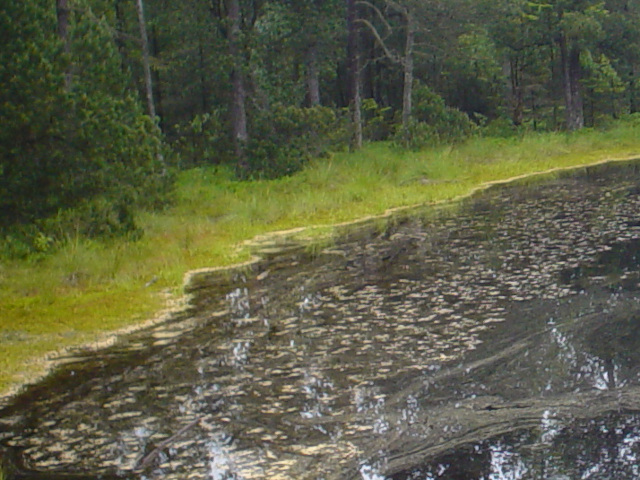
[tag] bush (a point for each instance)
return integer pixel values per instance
(433, 122)
(285, 137)
(501, 127)
(417, 136)
(377, 121)
(203, 141)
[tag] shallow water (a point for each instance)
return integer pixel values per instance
(494, 340)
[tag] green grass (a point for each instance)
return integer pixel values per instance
(88, 289)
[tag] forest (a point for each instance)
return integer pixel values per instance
(103, 101)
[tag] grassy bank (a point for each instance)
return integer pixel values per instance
(89, 288)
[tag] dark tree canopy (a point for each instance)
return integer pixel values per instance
(101, 97)
(75, 147)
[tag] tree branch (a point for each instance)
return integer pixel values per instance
(390, 55)
(378, 13)
(404, 11)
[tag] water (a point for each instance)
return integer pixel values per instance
(495, 340)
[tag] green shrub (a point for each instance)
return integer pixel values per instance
(377, 121)
(433, 122)
(203, 141)
(417, 136)
(285, 137)
(501, 127)
(631, 119)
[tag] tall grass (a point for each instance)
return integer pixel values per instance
(88, 288)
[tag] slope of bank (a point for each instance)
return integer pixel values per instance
(88, 290)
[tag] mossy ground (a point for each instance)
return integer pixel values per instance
(88, 288)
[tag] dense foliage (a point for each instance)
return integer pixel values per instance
(437, 69)
(77, 157)
(265, 85)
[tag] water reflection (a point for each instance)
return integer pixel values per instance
(602, 448)
(456, 344)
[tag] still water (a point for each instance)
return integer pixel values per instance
(495, 339)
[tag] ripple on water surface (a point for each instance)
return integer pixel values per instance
(495, 340)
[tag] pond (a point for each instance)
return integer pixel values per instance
(498, 338)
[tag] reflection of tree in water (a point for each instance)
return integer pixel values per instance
(603, 448)
(611, 344)
(617, 341)
(385, 348)
(611, 349)
(600, 351)
(577, 361)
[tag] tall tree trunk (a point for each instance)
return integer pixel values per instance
(238, 103)
(634, 104)
(204, 88)
(571, 75)
(119, 36)
(157, 83)
(405, 60)
(407, 66)
(313, 76)
(353, 59)
(63, 13)
(517, 91)
(146, 64)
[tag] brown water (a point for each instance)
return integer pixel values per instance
(497, 340)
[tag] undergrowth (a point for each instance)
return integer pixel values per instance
(90, 287)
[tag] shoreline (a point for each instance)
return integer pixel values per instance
(174, 305)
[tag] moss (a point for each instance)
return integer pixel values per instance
(35, 326)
